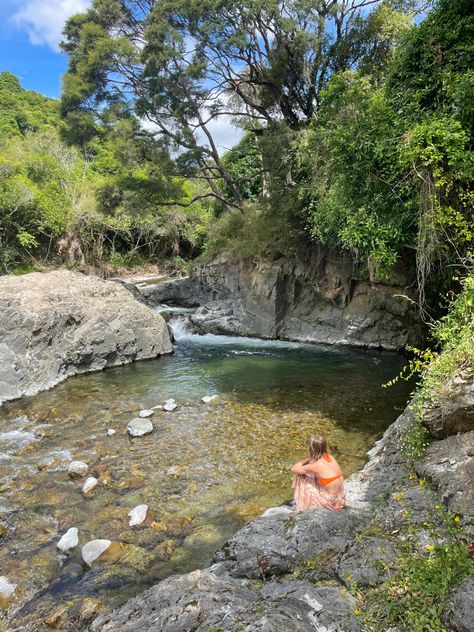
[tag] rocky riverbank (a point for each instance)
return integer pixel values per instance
(323, 298)
(320, 570)
(57, 324)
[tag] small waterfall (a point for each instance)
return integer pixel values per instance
(180, 327)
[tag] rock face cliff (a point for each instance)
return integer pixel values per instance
(325, 298)
(296, 572)
(61, 323)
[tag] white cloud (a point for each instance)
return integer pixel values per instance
(44, 20)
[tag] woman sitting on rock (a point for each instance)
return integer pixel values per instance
(318, 481)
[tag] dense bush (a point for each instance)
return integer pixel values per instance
(112, 201)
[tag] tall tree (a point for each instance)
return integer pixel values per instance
(185, 63)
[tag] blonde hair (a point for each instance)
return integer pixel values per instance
(317, 446)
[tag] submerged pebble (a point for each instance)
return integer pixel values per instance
(137, 515)
(91, 551)
(139, 427)
(170, 405)
(111, 432)
(89, 484)
(6, 587)
(146, 413)
(207, 399)
(69, 540)
(77, 469)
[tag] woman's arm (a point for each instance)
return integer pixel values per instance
(302, 467)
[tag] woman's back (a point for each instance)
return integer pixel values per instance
(328, 473)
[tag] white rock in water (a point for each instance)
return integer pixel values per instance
(111, 432)
(137, 515)
(6, 588)
(90, 483)
(158, 407)
(170, 405)
(77, 469)
(69, 540)
(94, 549)
(146, 413)
(209, 398)
(139, 427)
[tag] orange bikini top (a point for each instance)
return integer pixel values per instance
(326, 481)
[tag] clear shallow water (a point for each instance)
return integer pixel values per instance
(204, 471)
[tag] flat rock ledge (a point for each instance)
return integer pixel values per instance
(293, 572)
(57, 324)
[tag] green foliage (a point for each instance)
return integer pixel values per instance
(455, 333)
(252, 234)
(414, 596)
(355, 192)
(23, 111)
(182, 64)
(436, 370)
(113, 204)
(432, 71)
(244, 163)
(40, 188)
(386, 167)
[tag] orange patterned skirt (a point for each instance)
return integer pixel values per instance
(310, 494)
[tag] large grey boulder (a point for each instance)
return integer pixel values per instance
(56, 324)
(201, 601)
(196, 601)
(183, 291)
(276, 543)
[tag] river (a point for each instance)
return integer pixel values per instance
(204, 471)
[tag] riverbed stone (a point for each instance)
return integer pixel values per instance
(54, 461)
(57, 618)
(139, 427)
(7, 588)
(89, 484)
(137, 515)
(146, 413)
(99, 551)
(69, 540)
(57, 324)
(170, 405)
(111, 432)
(207, 399)
(77, 469)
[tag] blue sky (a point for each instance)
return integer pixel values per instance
(30, 33)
